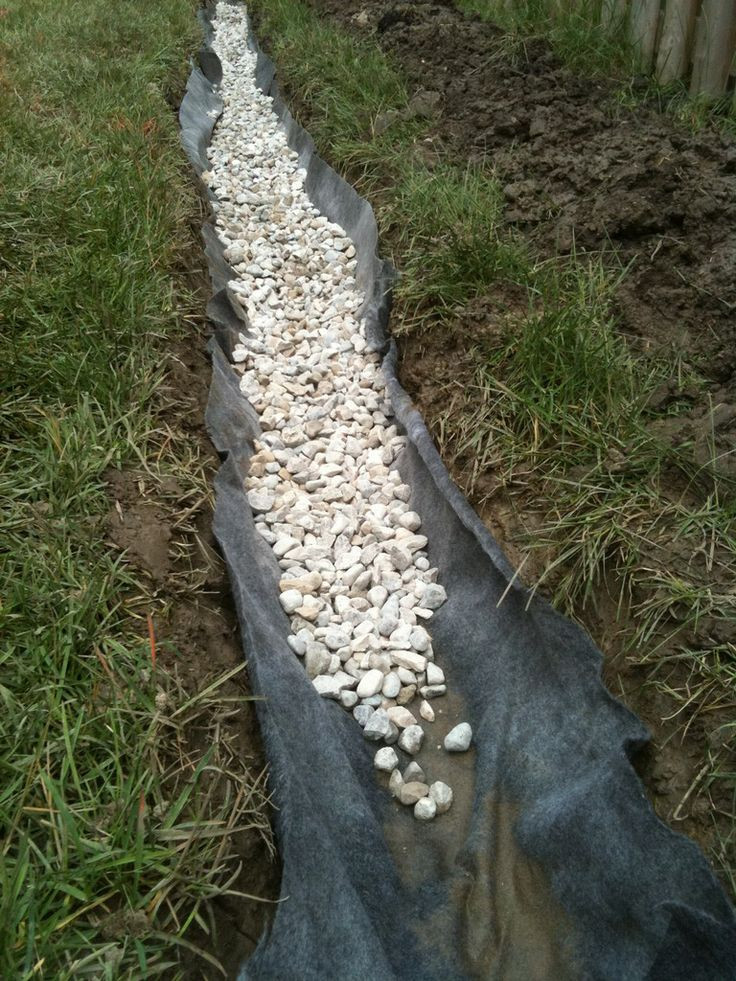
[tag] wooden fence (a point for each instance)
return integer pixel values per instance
(692, 40)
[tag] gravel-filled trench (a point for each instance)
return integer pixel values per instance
(356, 581)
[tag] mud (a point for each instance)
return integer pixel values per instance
(583, 171)
(164, 530)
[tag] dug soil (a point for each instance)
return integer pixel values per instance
(581, 170)
(163, 527)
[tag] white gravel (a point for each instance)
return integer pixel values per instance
(355, 579)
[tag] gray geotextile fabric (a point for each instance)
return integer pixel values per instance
(551, 863)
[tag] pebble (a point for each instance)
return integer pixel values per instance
(386, 759)
(458, 739)
(370, 684)
(441, 794)
(355, 580)
(414, 772)
(411, 739)
(425, 809)
(395, 782)
(410, 793)
(426, 711)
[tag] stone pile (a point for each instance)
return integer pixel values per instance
(356, 582)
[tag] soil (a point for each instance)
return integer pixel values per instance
(165, 532)
(583, 171)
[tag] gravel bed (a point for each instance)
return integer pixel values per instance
(356, 582)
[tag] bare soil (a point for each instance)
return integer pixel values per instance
(581, 170)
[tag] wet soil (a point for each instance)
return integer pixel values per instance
(583, 171)
(164, 529)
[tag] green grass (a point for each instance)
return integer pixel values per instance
(98, 817)
(573, 29)
(553, 397)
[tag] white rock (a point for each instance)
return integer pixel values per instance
(435, 675)
(426, 711)
(391, 685)
(348, 699)
(419, 639)
(378, 726)
(434, 596)
(441, 794)
(409, 660)
(362, 713)
(291, 600)
(370, 684)
(386, 759)
(425, 809)
(260, 501)
(326, 686)
(458, 739)
(411, 739)
(297, 644)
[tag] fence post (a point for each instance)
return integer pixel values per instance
(673, 56)
(643, 26)
(714, 47)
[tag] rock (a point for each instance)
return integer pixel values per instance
(386, 759)
(409, 660)
(406, 694)
(395, 782)
(425, 809)
(401, 557)
(297, 645)
(326, 686)
(435, 675)
(426, 711)
(441, 794)
(291, 600)
(348, 699)
(433, 691)
(370, 684)
(391, 685)
(458, 739)
(434, 596)
(261, 502)
(410, 793)
(414, 773)
(411, 739)
(401, 717)
(362, 714)
(378, 727)
(316, 660)
(419, 639)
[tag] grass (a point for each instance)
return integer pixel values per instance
(109, 838)
(552, 397)
(572, 28)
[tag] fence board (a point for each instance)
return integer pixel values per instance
(675, 44)
(613, 13)
(643, 26)
(714, 48)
